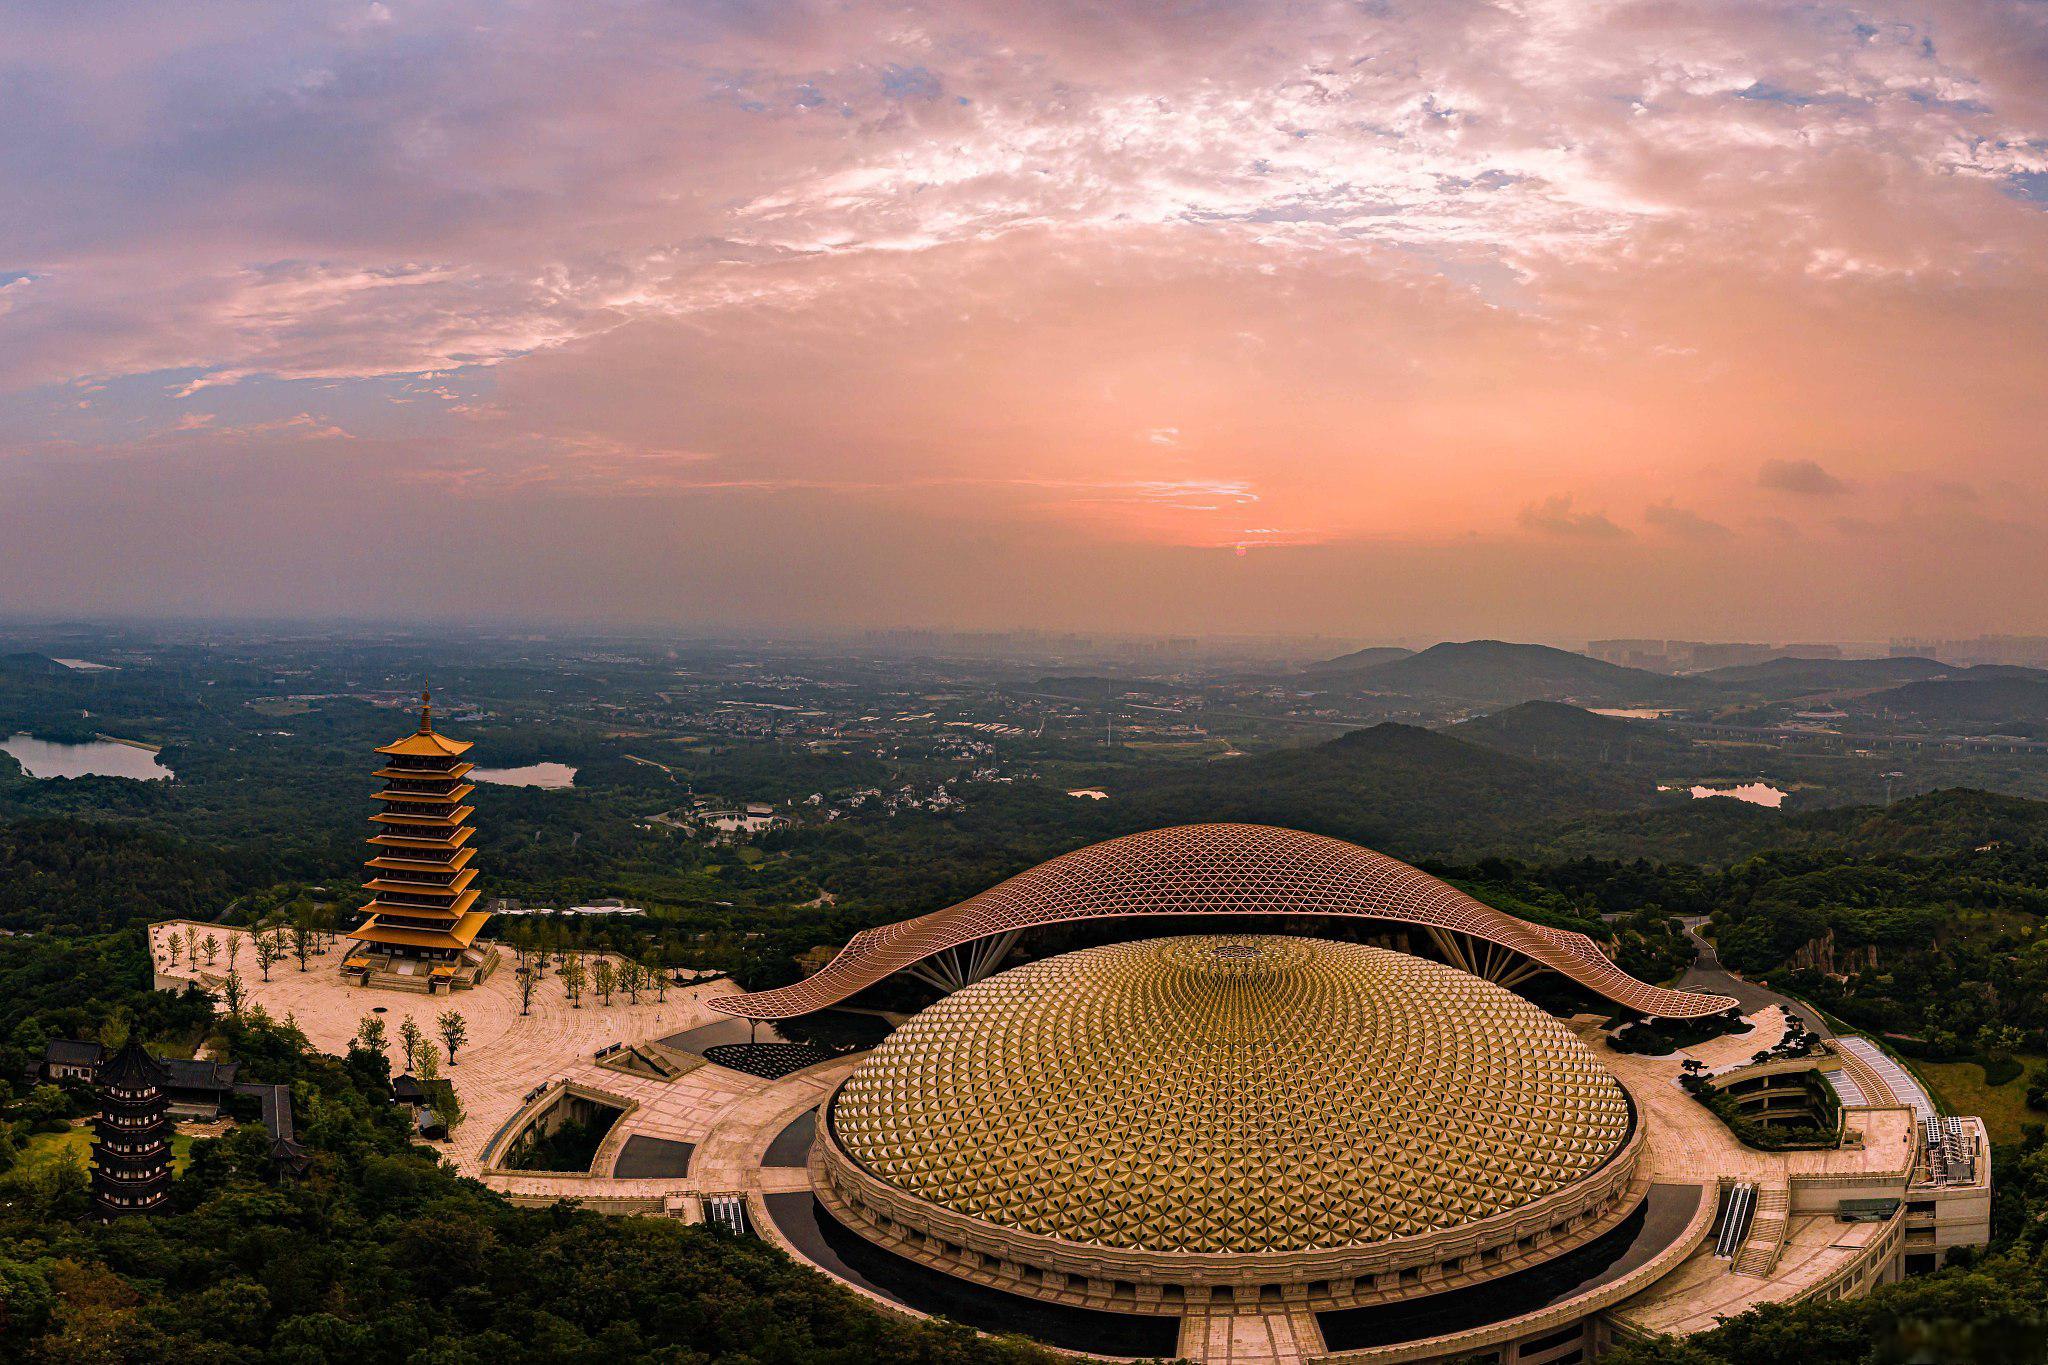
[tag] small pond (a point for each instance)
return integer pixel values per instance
(550, 775)
(94, 758)
(1756, 793)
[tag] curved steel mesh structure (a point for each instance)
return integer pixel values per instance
(1231, 1093)
(1220, 869)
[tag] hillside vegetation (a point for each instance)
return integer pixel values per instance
(1500, 672)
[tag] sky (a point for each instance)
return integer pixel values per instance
(1538, 318)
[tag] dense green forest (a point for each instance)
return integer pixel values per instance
(383, 1255)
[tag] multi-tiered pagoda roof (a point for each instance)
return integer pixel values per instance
(131, 1150)
(422, 901)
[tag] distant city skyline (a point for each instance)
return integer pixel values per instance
(1541, 321)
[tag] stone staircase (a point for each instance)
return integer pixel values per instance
(1759, 1254)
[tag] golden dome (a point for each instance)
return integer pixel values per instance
(1231, 1093)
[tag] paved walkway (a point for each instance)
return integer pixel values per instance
(1707, 974)
(1731, 1050)
(1686, 1144)
(729, 1118)
(1279, 1338)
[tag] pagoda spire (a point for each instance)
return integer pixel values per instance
(426, 707)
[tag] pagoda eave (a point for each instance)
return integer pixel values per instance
(381, 887)
(458, 935)
(448, 821)
(454, 796)
(425, 840)
(426, 744)
(457, 905)
(461, 769)
(459, 859)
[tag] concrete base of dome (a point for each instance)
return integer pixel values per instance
(1127, 1281)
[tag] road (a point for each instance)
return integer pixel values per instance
(1707, 974)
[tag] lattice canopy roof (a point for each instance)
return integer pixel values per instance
(1231, 1093)
(1220, 869)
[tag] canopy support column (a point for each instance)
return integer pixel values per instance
(960, 967)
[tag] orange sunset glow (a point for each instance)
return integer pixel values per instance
(1546, 319)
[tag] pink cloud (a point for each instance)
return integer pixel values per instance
(1324, 282)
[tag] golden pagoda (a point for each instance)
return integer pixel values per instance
(421, 921)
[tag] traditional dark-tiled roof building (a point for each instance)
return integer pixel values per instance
(197, 1089)
(67, 1059)
(285, 1149)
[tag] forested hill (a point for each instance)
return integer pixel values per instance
(1789, 677)
(1497, 671)
(1554, 731)
(80, 876)
(1936, 823)
(1417, 793)
(1398, 788)
(18, 665)
(2006, 704)
(1372, 656)
(1722, 833)
(1407, 792)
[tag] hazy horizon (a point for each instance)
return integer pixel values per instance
(1535, 321)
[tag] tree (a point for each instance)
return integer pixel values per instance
(571, 972)
(268, 951)
(370, 1037)
(630, 973)
(440, 1093)
(605, 978)
(192, 945)
(412, 1040)
(234, 951)
(1999, 1041)
(45, 1109)
(428, 1073)
(454, 1032)
(235, 990)
(658, 977)
(528, 977)
(212, 946)
(302, 940)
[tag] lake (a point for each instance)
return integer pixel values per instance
(1756, 793)
(97, 758)
(550, 775)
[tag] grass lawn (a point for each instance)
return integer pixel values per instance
(52, 1147)
(1960, 1087)
(47, 1147)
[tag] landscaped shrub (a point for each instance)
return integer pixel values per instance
(2001, 1070)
